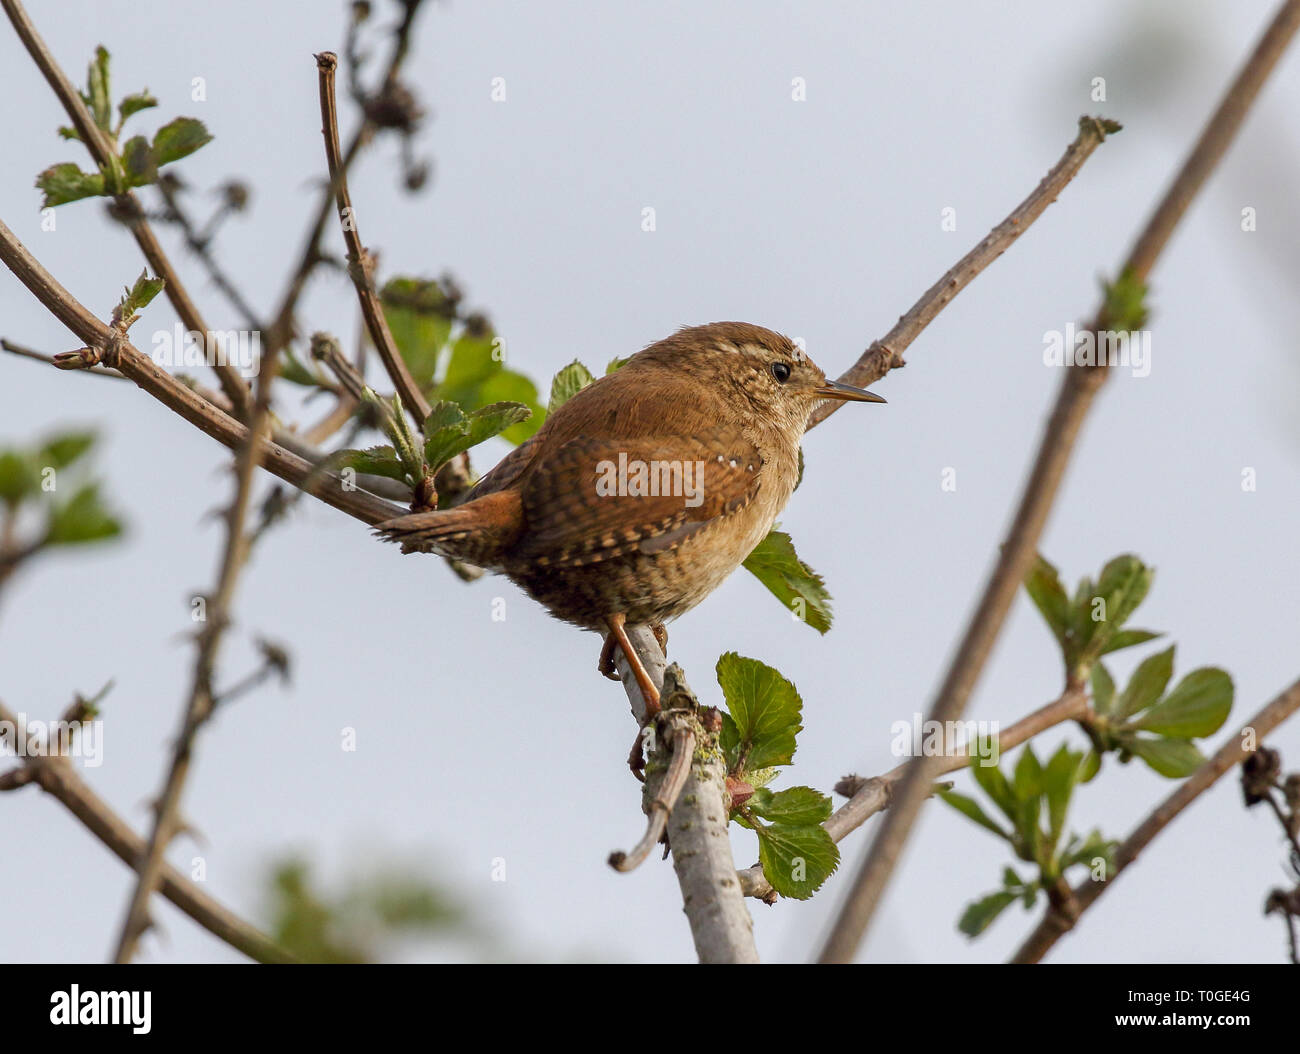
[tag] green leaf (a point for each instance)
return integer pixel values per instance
(617, 364)
(795, 806)
(375, 461)
(1197, 707)
(138, 158)
(420, 318)
(796, 860)
(568, 383)
(66, 182)
(994, 784)
(1089, 767)
(99, 97)
(19, 478)
(133, 104)
(489, 421)
(1147, 684)
(1174, 758)
(1123, 584)
(1060, 777)
(800, 589)
(472, 362)
(512, 387)
(1127, 638)
(68, 132)
(82, 518)
(1125, 302)
(62, 450)
(446, 434)
(1103, 688)
(178, 139)
(1043, 584)
(979, 915)
(765, 708)
(970, 808)
(139, 296)
(1027, 783)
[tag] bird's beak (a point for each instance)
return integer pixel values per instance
(846, 393)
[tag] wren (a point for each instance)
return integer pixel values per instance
(646, 489)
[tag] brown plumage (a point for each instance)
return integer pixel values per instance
(714, 414)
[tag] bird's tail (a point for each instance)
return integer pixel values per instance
(475, 532)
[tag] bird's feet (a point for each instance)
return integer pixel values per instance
(605, 664)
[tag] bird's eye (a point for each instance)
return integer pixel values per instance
(781, 371)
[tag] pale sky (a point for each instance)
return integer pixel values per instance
(479, 739)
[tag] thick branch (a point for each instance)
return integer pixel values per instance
(1078, 387)
(328, 486)
(697, 826)
(1057, 923)
(58, 778)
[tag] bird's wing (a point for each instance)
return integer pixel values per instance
(599, 498)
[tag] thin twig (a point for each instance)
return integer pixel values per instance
(870, 796)
(127, 203)
(59, 778)
(886, 353)
(1078, 388)
(202, 697)
(1057, 923)
(360, 262)
(661, 804)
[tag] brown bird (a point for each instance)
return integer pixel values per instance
(639, 495)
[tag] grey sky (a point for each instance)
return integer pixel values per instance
(480, 739)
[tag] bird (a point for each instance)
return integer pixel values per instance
(641, 493)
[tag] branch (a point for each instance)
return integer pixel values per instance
(57, 777)
(329, 487)
(1058, 922)
(202, 699)
(360, 262)
(697, 826)
(870, 796)
(886, 353)
(1078, 388)
(127, 203)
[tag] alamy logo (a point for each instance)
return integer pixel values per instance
(241, 348)
(1105, 348)
(102, 1008)
(634, 478)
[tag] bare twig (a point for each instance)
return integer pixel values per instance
(1078, 388)
(202, 698)
(127, 203)
(870, 796)
(1058, 922)
(697, 827)
(886, 353)
(360, 262)
(282, 328)
(58, 777)
(662, 795)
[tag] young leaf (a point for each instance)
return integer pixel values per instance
(1060, 776)
(138, 297)
(138, 158)
(775, 563)
(1103, 688)
(1027, 783)
(796, 860)
(178, 139)
(1197, 707)
(1147, 684)
(1123, 584)
(376, 461)
(1174, 758)
(446, 434)
(765, 709)
(995, 785)
(66, 182)
(82, 518)
(492, 420)
(420, 317)
(970, 808)
(1126, 638)
(568, 383)
(795, 806)
(979, 915)
(98, 97)
(62, 450)
(511, 387)
(19, 478)
(1043, 584)
(133, 104)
